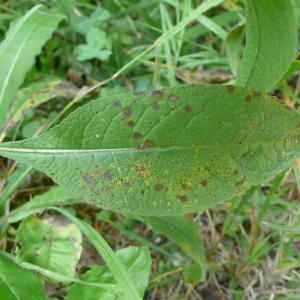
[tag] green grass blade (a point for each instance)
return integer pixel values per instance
(124, 281)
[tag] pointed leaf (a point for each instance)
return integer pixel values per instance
(167, 152)
(271, 40)
(22, 43)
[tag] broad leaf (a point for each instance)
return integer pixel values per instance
(17, 283)
(52, 244)
(22, 43)
(168, 152)
(137, 262)
(271, 39)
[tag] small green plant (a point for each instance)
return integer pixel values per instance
(152, 156)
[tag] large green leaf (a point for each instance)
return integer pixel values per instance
(22, 43)
(52, 244)
(271, 40)
(17, 283)
(167, 152)
(137, 262)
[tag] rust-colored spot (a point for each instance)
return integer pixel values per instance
(159, 187)
(248, 98)
(257, 94)
(130, 123)
(89, 179)
(230, 88)
(108, 175)
(139, 93)
(188, 108)
(235, 172)
(127, 112)
(147, 144)
(136, 135)
(182, 198)
(184, 186)
(155, 106)
(204, 183)
(118, 103)
(173, 98)
(159, 92)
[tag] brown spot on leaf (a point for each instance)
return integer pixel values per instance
(127, 112)
(142, 192)
(182, 198)
(108, 175)
(156, 106)
(248, 98)
(188, 108)
(173, 98)
(184, 186)
(130, 123)
(89, 179)
(136, 135)
(204, 183)
(159, 92)
(147, 144)
(118, 103)
(139, 93)
(159, 187)
(230, 88)
(257, 94)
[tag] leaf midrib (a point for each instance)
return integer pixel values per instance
(136, 149)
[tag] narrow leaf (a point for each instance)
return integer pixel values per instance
(271, 40)
(168, 152)
(22, 43)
